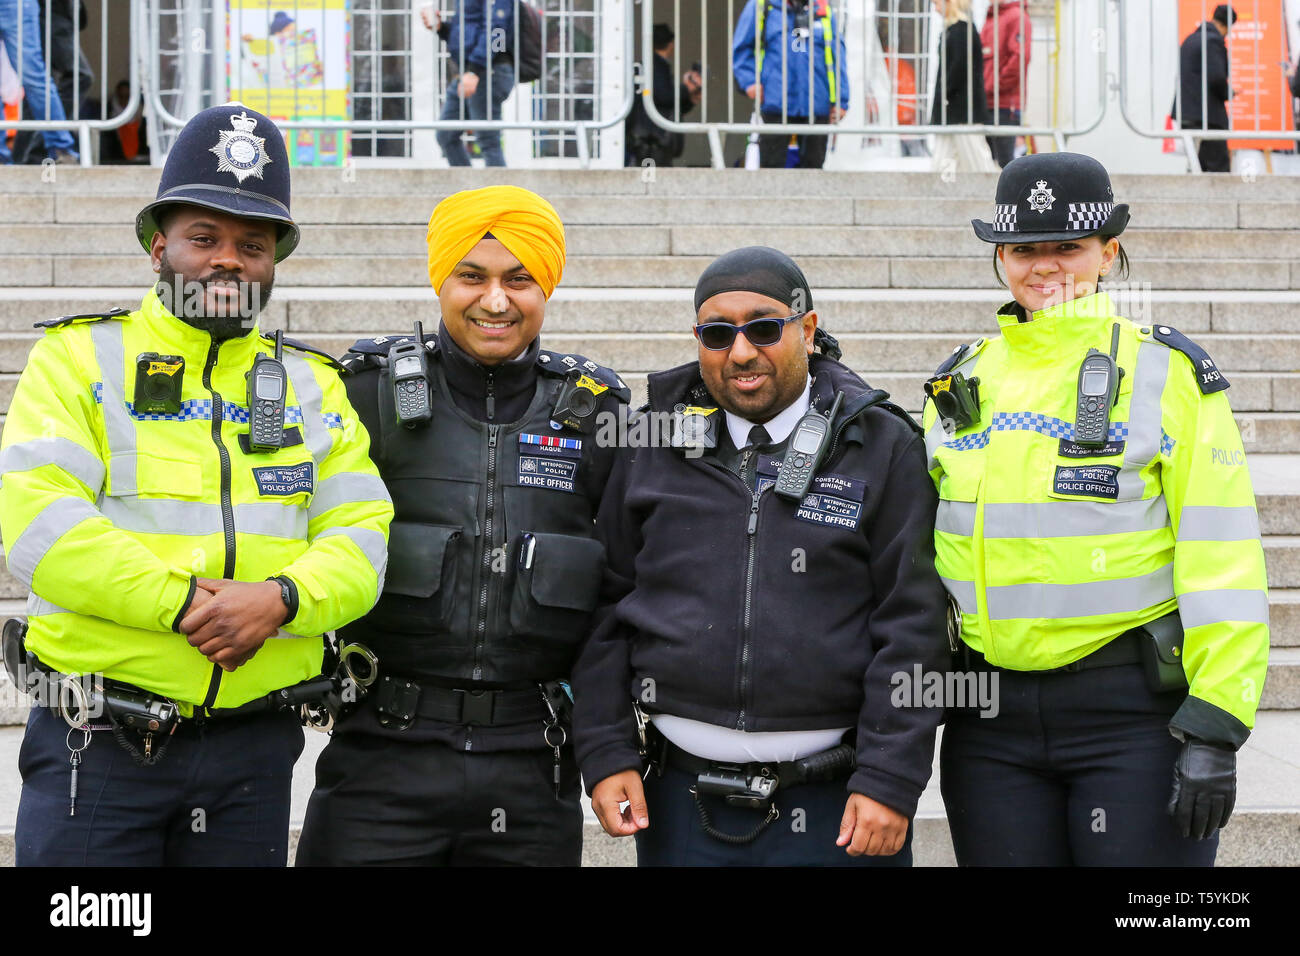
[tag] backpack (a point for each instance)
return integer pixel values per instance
(530, 43)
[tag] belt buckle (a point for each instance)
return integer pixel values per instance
(476, 706)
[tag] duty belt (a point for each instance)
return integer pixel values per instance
(400, 701)
(1125, 649)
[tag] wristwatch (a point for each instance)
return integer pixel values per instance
(288, 594)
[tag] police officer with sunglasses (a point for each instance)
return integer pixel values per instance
(770, 573)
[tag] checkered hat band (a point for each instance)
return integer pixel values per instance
(1089, 215)
(1004, 220)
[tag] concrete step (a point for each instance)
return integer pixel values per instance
(659, 182)
(797, 240)
(578, 210)
(823, 272)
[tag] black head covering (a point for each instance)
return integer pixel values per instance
(1225, 14)
(1047, 197)
(231, 159)
(758, 269)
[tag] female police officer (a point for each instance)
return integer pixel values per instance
(1097, 533)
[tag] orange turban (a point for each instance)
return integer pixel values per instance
(523, 221)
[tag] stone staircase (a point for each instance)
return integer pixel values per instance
(896, 273)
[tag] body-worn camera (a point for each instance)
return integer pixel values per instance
(956, 398)
(158, 383)
(695, 427)
(575, 406)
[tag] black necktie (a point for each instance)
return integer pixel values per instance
(757, 436)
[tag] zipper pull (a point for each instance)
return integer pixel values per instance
(491, 399)
(492, 436)
(753, 515)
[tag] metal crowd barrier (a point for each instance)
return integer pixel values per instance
(190, 92)
(1185, 128)
(880, 31)
(56, 53)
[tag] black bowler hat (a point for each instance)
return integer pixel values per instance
(1048, 197)
(231, 159)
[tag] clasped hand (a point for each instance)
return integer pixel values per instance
(228, 621)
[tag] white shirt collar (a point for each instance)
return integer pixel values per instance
(781, 425)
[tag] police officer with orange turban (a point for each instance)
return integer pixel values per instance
(458, 754)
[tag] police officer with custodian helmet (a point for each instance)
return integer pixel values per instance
(192, 506)
(1098, 535)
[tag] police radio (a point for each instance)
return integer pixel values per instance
(808, 444)
(268, 387)
(158, 383)
(408, 365)
(1097, 391)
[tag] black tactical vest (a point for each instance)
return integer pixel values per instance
(493, 569)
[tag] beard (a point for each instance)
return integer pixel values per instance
(186, 299)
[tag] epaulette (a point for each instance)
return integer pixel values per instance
(63, 320)
(373, 352)
(561, 363)
(297, 346)
(1208, 377)
(960, 354)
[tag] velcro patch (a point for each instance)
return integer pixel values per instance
(1068, 449)
(1088, 481)
(282, 482)
(834, 500)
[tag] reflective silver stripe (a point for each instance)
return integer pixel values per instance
(371, 543)
(55, 520)
(170, 516)
(38, 605)
(1143, 443)
(118, 427)
(963, 593)
(956, 517)
(63, 452)
(1230, 604)
(346, 488)
(1054, 519)
(934, 438)
(307, 390)
(1119, 596)
(1212, 523)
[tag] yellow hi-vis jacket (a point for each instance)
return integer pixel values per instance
(1051, 550)
(107, 514)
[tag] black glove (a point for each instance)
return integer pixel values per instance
(1205, 788)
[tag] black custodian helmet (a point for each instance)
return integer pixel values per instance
(1049, 197)
(231, 159)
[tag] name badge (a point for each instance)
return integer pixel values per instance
(282, 482)
(1068, 449)
(1087, 481)
(546, 461)
(835, 500)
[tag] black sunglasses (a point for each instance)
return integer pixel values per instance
(719, 336)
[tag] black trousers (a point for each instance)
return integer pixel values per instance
(1004, 147)
(389, 801)
(803, 835)
(1075, 770)
(772, 149)
(218, 797)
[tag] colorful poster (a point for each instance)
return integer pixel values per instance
(289, 59)
(1257, 64)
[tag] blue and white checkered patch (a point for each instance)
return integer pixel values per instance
(1089, 216)
(98, 389)
(1166, 443)
(1030, 422)
(332, 420)
(1004, 217)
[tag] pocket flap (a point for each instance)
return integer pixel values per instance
(422, 548)
(155, 475)
(567, 571)
(1167, 635)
